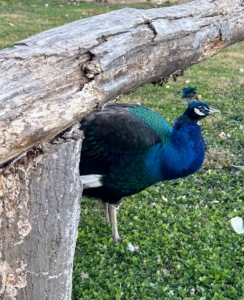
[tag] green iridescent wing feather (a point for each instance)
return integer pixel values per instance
(133, 129)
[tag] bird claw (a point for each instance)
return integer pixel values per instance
(117, 239)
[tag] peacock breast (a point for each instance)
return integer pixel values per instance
(185, 152)
(182, 155)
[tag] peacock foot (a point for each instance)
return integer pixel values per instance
(117, 239)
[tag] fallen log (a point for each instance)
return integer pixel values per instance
(51, 80)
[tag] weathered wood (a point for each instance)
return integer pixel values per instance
(39, 213)
(51, 80)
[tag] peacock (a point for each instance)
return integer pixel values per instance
(129, 147)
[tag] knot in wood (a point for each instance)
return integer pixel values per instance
(92, 68)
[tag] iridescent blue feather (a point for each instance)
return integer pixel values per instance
(133, 147)
(130, 147)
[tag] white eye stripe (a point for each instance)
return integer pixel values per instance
(198, 112)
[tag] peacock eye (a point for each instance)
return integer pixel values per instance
(200, 110)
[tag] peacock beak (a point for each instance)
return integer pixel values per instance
(213, 110)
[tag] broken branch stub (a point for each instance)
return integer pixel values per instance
(51, 80)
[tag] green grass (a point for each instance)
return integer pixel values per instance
(188, 249)
(21, 19)
(182, 227)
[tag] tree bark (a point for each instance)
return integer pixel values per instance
(48, 82)
(51, 80)
(39, 213)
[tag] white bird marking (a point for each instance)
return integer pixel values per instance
(198, 112)
(91, 181)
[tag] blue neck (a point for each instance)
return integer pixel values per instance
(182, 155)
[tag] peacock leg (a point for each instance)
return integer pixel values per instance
(105, 204)
(113, 221)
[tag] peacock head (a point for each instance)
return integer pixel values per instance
(199, 110)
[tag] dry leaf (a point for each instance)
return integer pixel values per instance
(237, 224)
(222, 135)
(132, 247)
(166, 272)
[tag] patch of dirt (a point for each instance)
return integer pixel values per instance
(12, 16)
(218, 158)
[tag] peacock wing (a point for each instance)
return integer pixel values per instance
(121, 129)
